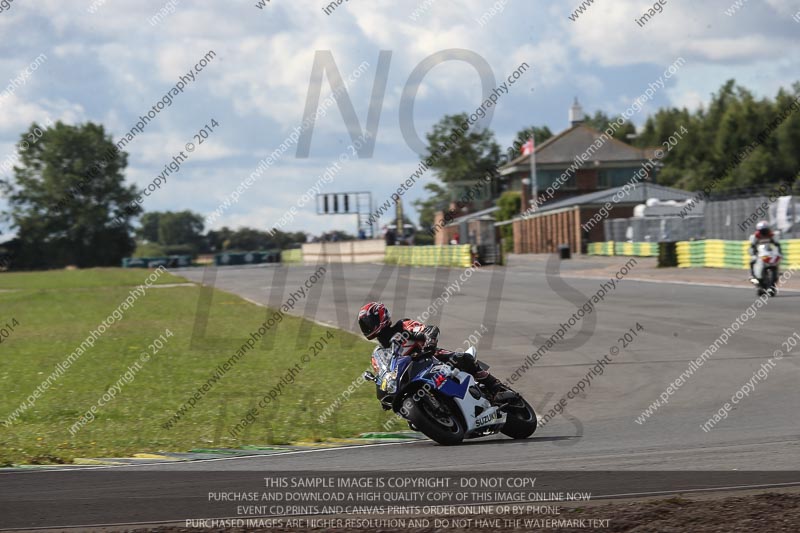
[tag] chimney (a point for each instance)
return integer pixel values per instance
(575, 114)
(525, 197)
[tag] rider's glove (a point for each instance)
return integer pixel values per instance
(429, 348)
(431, 340)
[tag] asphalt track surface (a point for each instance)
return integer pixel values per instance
(598, 431)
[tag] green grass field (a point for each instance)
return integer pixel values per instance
(56, 311)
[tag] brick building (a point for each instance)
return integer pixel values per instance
(579, 220)
(580, 159)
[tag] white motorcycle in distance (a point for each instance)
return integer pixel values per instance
(765, 269)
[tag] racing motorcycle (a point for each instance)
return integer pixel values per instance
(765, 269)
(444, 403)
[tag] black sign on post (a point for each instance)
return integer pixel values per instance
(400, 222)
(348, 203)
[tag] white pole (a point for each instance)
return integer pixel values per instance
(534, 184)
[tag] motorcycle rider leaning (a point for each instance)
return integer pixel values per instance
(762, 235)
(417, 339)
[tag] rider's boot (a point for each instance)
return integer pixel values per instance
(753, 278)
(492, 385)
(468, 363)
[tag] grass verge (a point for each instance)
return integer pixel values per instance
(55, 312)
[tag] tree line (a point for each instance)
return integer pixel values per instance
(736, 141)
(69, 204)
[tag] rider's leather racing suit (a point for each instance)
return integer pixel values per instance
(755, 240)
(416, 338)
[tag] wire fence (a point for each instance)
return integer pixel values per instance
(729, 217)
(654, 229)
(736, 219)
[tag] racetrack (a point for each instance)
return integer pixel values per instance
(599, 432)
(680, 322)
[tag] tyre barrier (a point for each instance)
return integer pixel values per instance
(247, 258)
(170, 261)
(454, 255)
(292, 256)
(715, 253)
(638, 249)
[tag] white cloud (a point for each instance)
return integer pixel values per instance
(18, 113)
(691, 100)
(785, 7)
(158, 148)
(699, 31)
(111, 66)
(742, 48)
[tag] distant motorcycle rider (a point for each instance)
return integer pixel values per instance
(762, 235)
(415, 339)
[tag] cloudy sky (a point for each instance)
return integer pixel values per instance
(110, 62)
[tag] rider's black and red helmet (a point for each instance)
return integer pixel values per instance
(372, 318)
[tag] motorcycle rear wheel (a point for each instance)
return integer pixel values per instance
(446, 428)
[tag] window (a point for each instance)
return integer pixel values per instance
(476, 192)
(547, 178)
(615, 177)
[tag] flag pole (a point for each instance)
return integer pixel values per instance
(534, 184)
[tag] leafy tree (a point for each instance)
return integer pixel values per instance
(337, 235)
(249, 239)
(428, 207)
(216, 239)
(738, 141)
(288, 240)
(460, 159)
(600, 121)
(149, 249)
(509, 205)
(423, 239)
(68, 199)
(149, 226)
(459, 156)
(787, 137)
(182, 228)
(686, 158)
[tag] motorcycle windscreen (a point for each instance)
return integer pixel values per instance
(387, 380)
(381, 358)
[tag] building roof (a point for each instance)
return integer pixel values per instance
(573, 142)
(639, 194)
(485, 213)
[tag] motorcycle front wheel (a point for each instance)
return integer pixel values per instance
(436, 418)
(772, 289)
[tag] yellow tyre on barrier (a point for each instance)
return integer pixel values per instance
(459, 255)
(638, 249)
